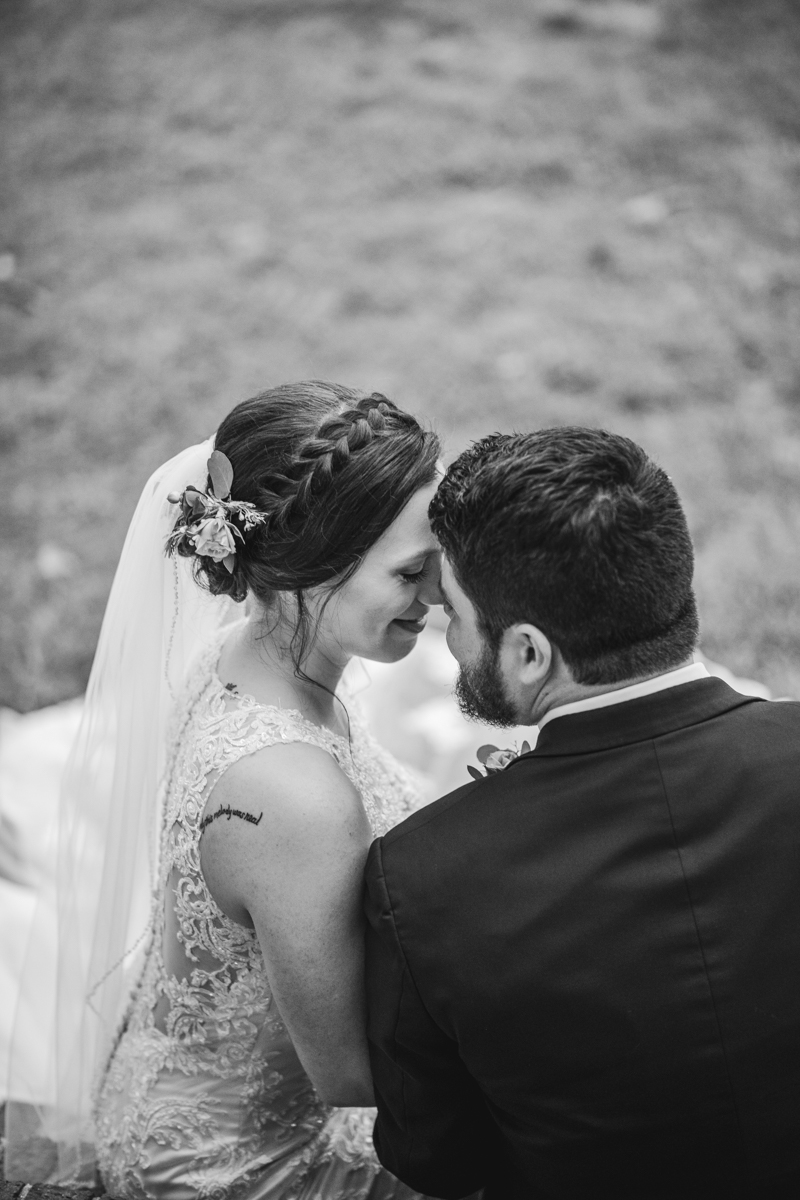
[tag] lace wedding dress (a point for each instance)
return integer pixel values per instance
(204, 1095)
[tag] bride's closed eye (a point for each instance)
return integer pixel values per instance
(413, 576)
(429, 565)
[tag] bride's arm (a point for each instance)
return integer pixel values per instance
(297, 878)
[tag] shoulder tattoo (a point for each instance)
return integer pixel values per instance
(225, 810)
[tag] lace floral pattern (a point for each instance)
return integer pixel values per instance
(204, 1095)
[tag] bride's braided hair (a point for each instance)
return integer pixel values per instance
(332, 468)
(319, 458)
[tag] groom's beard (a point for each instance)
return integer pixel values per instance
(480, 691)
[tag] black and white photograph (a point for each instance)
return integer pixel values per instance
(400, 600)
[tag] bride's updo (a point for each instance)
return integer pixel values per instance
(331, 468)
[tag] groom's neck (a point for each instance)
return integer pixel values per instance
(560, 688)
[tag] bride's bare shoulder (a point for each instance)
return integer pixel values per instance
(294, 779)
(286, 809)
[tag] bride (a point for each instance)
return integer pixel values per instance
(222, 1051)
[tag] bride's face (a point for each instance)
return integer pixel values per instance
(381, 610)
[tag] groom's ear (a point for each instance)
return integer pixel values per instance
(527, 654)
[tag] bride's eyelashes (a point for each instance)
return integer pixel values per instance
(425, 570)
(413, 576)
(417, 576)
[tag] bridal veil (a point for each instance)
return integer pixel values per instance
(93, 917)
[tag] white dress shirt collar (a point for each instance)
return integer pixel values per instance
(647, 688)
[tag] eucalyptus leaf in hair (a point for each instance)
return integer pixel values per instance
(221, 474)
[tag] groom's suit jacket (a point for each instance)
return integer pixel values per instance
(584, 972)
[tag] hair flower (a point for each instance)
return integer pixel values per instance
(495, 760)
(213, 538)
(209, 522)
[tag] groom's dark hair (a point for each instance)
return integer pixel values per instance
(578, 532)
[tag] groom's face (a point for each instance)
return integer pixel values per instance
(480, 688)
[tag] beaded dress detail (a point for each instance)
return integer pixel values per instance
(204, 1095)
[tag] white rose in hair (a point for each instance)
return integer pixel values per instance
(214, 539)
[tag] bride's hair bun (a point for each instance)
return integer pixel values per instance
(219, 581)
(331, 468)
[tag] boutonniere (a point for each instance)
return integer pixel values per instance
(495, 760)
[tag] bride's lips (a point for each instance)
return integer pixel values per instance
(414, 627)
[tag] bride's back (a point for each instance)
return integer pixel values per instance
(206, 1055)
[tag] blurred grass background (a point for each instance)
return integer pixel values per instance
(503, 214)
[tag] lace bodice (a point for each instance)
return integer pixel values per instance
(221, 727)
(203, 1008)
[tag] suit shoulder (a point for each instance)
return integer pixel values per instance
(786, 708)
(448, 807)
(429, 812)
(777, 715)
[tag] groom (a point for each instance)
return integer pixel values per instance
(584, 970)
